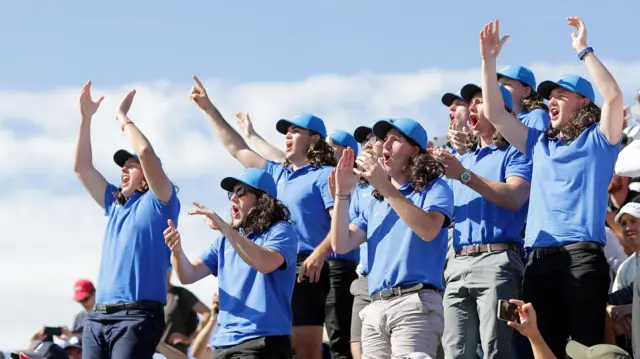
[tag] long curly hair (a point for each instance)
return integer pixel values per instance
(498, 139)
(121, 199)
(423, 170)
(320, 153)
(580, 120)
(267, 212)
(534, 102)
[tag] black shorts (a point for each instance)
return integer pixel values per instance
(308, 301)
(259, 348)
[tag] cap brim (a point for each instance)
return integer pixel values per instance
(381, 128)
(468, 91)
(545, 88)
(228, 183)
(576, 350)
(121, 157)
(360, 134)
(282, 126)
(449, 98)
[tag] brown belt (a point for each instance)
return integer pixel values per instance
(477, 249)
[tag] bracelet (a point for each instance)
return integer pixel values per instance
(584, 52)
(343, 196)
(124, 124)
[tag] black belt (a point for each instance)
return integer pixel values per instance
(140, 305)
(545, 251)
(477, 249)
(400, 290)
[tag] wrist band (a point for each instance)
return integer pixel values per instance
(124, 124)
(584, 52)
(342, 196)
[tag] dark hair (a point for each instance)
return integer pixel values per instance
(320, 153)
(267, 212)
(423, 171)
(121, 199)
(534, 102)
(580, 120)
(498, 140)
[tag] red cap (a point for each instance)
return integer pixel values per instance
(82, 289)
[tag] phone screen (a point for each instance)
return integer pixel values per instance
(507, 311)
(53, 331)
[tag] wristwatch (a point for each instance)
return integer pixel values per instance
(465, 177)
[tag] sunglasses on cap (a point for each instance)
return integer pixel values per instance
(240, 192)
(371, 140)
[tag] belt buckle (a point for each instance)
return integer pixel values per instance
(385, 293)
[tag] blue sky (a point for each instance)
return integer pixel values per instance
(47, 44)
(348, 61)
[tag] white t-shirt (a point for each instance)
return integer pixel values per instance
(626, 273)
(615, 254)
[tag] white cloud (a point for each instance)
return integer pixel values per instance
(52, 229)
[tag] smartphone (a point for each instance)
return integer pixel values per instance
(507, 311)
(52, 331)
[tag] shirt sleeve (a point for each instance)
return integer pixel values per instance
(538, 119)
(354, 206)
(275, 169)
(439, 197)
(533, 136)
(210, 256)
(283, 239)
(109, 198)
(363, 217)
(602, 142)
(518, 165)
(322, 183)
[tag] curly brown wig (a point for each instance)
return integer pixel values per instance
(580, 120)
(267, 212)
(320, 153)
(423, 171)
(121, 199)
(534, 102)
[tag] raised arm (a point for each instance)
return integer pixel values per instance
(200, 348)
(264, 260)
(230, 138)
(344, 236)
(90, 178)
(493, 105)
(267, 150)
(187, 272)
(154, 174)
(612, 115)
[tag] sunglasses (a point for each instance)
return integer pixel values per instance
(240, 192)
(371, 140)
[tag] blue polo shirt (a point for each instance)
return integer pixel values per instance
(396, 255)
(568, 200)
(477, 220)
(306, 193)
(135, 257)
(538, 119)
(360, 201)
(253, 304)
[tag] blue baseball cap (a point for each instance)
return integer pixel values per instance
(45, 350)
(303, 120)
(254, 178)
(519, 73)
(449, 98)
(121, 157)
(344, 139)
(409, 128)
(469, 90)
(361, 133)
(569, 82)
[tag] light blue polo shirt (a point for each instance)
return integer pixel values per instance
(253, 304)
(306, 193)
(135, 257)
(569, 197)
(396, 255)
(538, 119)
(360, 201)
(477, 220)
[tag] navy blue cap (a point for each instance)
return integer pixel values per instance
(449, 98)
(572, 83)
(121, 157)
(254, 178)
(469, 90)
(409, 128)
(361, 133)
(304, 120)
(519, 73)
(344, 139)
(47, 350)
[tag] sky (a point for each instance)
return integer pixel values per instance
(349, 62)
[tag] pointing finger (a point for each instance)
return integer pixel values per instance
(195, 78)
(171, 224)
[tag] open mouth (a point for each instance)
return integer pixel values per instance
(125, 179)
(288, 145)
(451, 117)
(473, 119)
(235, 211)
(386, 157)
(554, 112)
